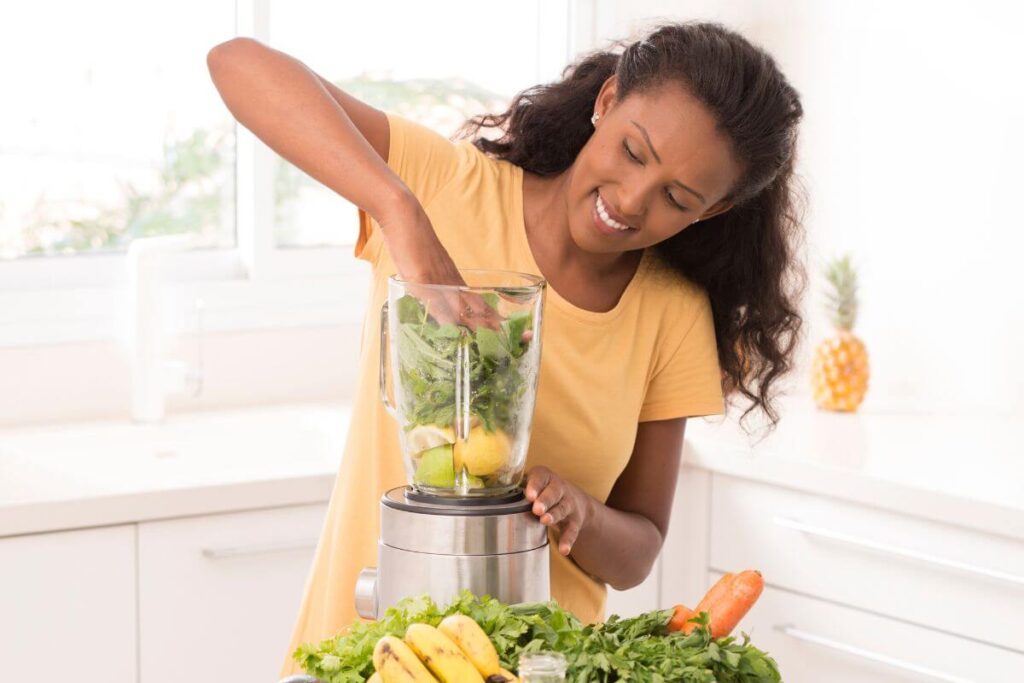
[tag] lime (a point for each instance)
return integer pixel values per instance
(435, 468)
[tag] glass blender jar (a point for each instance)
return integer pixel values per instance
(463, 393)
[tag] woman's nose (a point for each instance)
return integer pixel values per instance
(632, 203)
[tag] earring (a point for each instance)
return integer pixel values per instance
(594, 118)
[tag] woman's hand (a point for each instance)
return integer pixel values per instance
(559, 504)
(420, 258)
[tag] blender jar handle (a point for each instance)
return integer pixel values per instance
(384, 351)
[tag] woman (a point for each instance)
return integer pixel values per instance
(652, 189)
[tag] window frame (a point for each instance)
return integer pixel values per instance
(253, 285)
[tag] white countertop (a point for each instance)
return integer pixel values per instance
(962, 470)
(102, 473)
(959, 470)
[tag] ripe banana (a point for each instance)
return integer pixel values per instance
(441, 655)
(473, 642)
(397, 663)
(375, 678)
(503, 676)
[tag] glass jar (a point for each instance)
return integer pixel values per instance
(464, 394)
(542, 667)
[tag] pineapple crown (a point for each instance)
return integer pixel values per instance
(841, 297)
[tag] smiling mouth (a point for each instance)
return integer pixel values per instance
(606, 219)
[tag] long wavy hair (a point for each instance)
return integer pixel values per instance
(746, 258)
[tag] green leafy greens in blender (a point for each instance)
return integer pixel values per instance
(426, 363)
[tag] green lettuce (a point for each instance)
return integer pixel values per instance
(635, 649)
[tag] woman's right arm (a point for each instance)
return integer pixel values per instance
(287, 106)
(343, 143)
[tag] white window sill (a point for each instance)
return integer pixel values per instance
(32, 314)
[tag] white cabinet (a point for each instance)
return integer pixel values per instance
(855, 593)
(218, 595)
(67, 606)
(913, 569)
(813, 640)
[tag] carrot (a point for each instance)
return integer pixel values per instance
(714, 596)
(743, 591)
(679, 618)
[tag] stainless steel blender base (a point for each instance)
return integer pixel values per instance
(443, 548)
(512, 578)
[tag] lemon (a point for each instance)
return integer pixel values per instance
(423, 437)
(483, 453)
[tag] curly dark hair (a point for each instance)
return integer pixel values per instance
(745, 258)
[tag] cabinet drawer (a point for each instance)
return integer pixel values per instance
(813, 641)
(218, 595)
(936, 575)
(67, 604)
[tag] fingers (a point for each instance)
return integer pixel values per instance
(475, 312)
(568, 537)
(559, 512)
(467, 309)
(553, 506)
(549, 498)
(439, 304)
(536, 481)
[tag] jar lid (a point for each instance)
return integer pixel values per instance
(542, 663)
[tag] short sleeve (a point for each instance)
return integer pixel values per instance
(424, 159)
(686, 380)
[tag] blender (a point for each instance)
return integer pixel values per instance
(463, 401)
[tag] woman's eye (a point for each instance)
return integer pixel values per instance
(630, 152)
(672, 201)
(668, 194)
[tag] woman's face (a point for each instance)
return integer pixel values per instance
(654, 165)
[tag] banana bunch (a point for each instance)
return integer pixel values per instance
(457, 651)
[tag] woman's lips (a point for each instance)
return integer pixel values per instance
(608, 226)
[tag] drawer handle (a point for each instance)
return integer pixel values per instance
(897, 551)
(226, 552)
(846, 648)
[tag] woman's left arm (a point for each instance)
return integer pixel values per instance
(618, 541)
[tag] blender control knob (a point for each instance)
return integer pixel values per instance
(366, 593)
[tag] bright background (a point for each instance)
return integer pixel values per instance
(111, 129)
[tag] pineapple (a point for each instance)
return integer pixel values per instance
(839, 371)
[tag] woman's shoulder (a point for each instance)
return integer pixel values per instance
(665, 283)
(670, 297)
(427, 161)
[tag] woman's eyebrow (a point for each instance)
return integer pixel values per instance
(647, 139)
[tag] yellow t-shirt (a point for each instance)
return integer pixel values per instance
(652, 357)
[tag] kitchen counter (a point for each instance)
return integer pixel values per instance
(966, 471)
(103, 473)
(961, 470)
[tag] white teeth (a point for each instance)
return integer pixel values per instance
(603, 213)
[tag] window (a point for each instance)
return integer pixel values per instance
(438, 63)
(116, 132)
(110, 129)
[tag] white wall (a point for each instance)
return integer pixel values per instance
(911, 149)
(913, 163)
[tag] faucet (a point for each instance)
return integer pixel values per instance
(153, 376)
